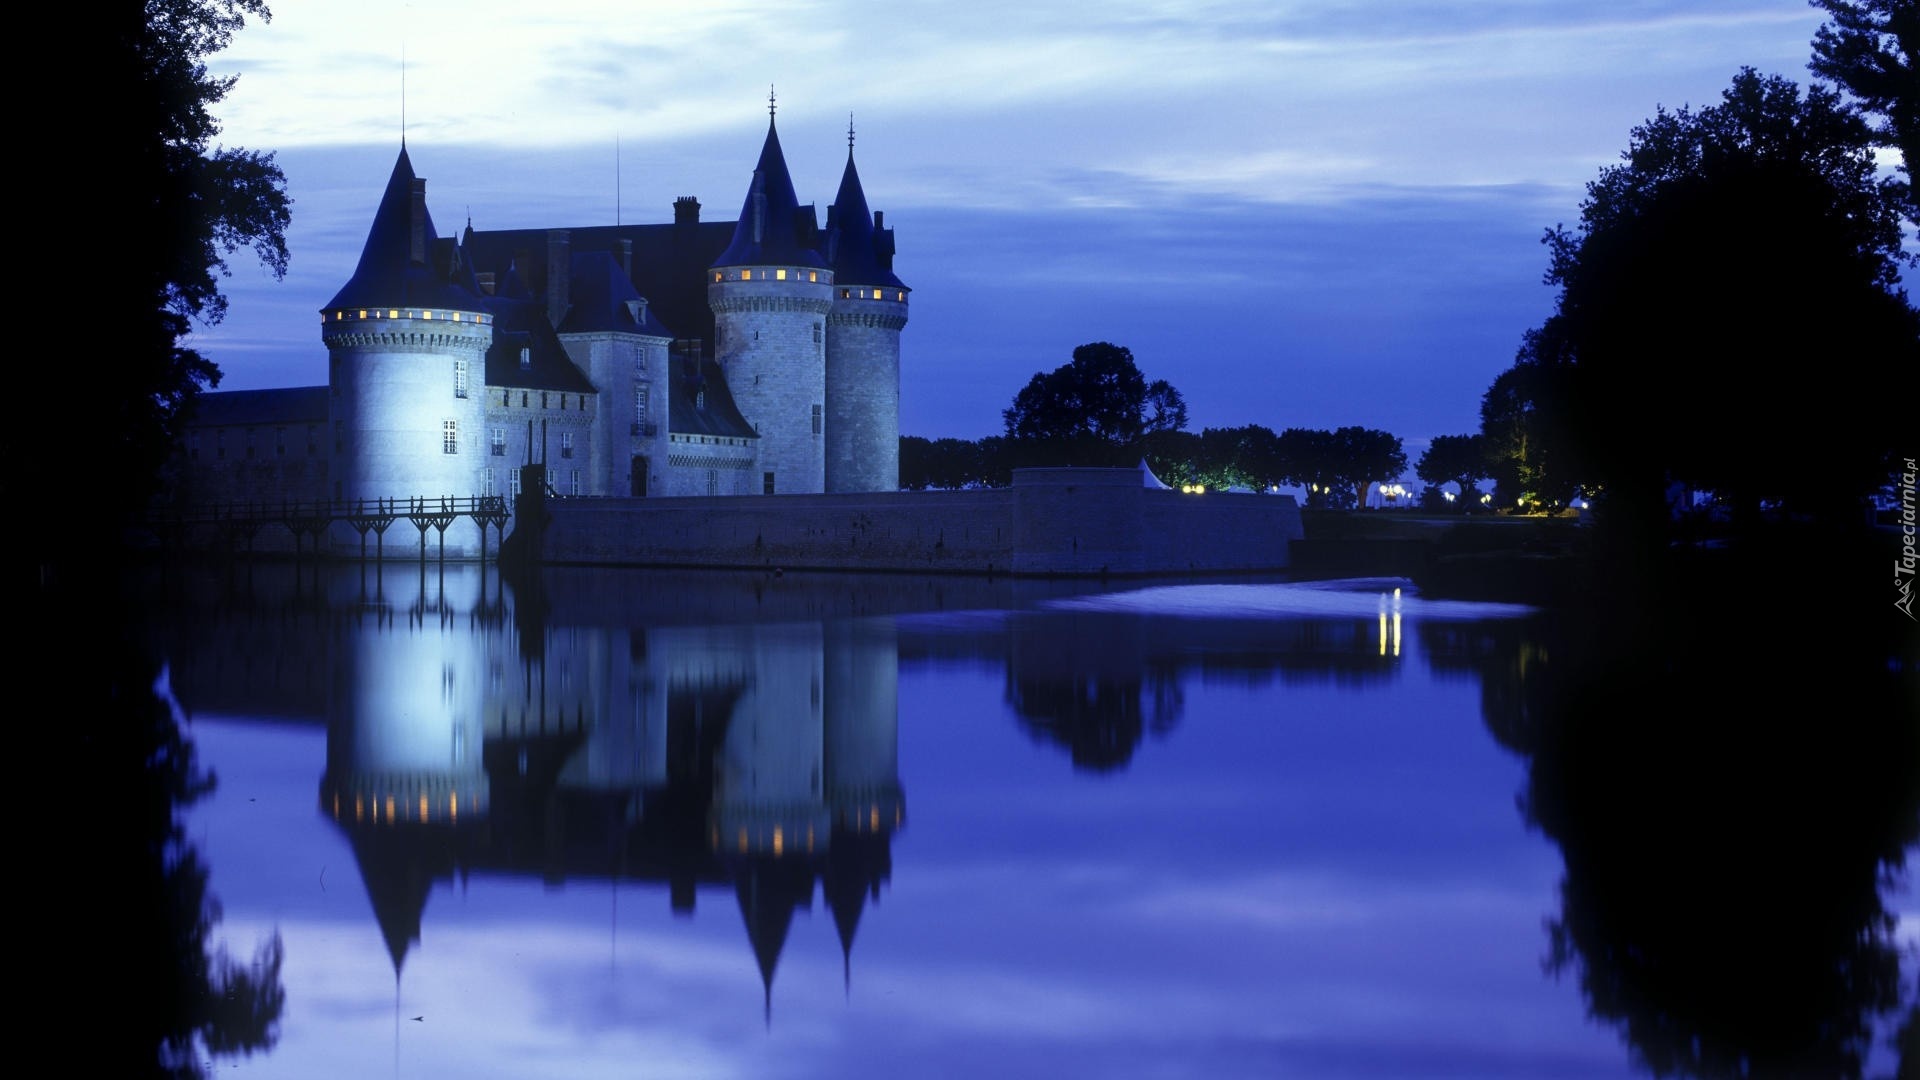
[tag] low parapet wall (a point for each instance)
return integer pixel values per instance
(1051, 522)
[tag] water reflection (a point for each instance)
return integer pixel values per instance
(1298, 764)
(1732, 774)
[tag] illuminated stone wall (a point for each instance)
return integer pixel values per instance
(771, 342)
(863, 389)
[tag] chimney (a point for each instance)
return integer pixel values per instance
(559, 262)
(417, 222)
(686, 210)
(879, 219)
(624, 253)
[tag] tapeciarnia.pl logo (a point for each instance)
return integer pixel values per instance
(1903, 566)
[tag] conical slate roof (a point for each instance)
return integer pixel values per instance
(862, 255)
(388, 274)
(774, 229)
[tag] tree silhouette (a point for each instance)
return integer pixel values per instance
(1869, 47)
(1733, 244)
(151, 160)
(1093, 410)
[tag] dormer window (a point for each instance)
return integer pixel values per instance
(699, 399)
(526, 358)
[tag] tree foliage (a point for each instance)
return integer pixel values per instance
(1336, 466)
(1729, 313)
(1870, 47)
(180, 206)
(1459, 459)
(1092, 410)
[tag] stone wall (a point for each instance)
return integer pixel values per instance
(1051, 522)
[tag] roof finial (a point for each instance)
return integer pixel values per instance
(769, 102)
(849, 132)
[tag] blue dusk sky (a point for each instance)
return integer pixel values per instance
(1302, 214)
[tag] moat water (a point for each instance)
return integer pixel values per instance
(641, 823)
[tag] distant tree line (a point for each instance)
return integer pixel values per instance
(1100, 410)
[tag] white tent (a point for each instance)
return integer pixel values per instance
(1147, 479)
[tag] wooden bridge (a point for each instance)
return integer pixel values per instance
(239, 523)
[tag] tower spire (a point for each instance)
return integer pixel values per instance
(769, 103)
(849, 134)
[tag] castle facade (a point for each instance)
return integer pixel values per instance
(746, 357)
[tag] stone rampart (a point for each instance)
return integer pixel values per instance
(1051, 522)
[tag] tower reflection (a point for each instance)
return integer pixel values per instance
(757, 756)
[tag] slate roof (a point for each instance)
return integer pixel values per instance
(688, 413)
(231, 408)
(861, 254)
(520, 322)
(604, 299)
(773, 229)
(387, 276)
(670, 264)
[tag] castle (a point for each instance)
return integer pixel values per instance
(745, 357)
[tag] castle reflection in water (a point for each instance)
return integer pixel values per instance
(694, 731)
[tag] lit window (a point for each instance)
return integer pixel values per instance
(846, 294)
(456, 316)
(901, 296)
(813, 275)
(780, 275)
(450, 436)
(426, 314)
(746, 275)
(363, 313)
(393, 314)
(717, 275)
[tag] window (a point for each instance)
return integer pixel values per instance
(526, 358)
(543, 399)
(713, 481)
(566, 444)
(486, 480)
(279, 442)
(459, 378)
(450, 436)
(846, 294)
(699, 399)
(576, 481)
(513, 480)
(497, 442)
(816, 419)
(780, 275)
(766, 483)
(816, 333)
(523, 399)
(640, 403)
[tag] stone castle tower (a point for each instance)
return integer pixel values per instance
(863, 344)
(407, 338)
(770, 293)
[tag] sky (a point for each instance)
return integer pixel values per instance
(1301, 214)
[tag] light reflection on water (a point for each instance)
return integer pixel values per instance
(735, 825)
